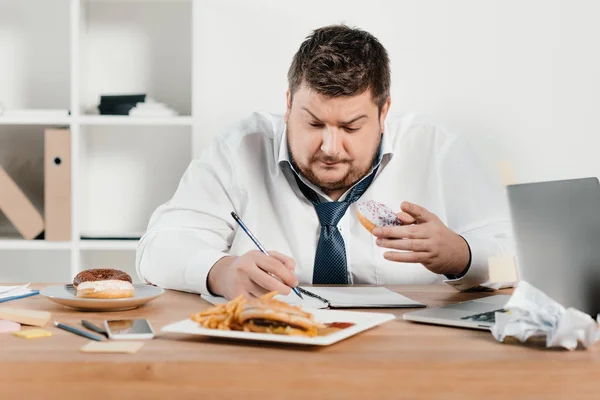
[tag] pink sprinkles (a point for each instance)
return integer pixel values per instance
(377, 213)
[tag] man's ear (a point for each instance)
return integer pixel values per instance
(288, 97)
(384, 112)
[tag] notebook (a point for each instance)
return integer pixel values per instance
(341, 297)
(8, 293)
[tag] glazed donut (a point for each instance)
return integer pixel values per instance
(105, 289)
(371, 214)
(103, 284)
(101, 274)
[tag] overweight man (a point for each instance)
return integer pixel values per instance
(295, 180)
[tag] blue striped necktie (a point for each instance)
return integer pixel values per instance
(330, 259)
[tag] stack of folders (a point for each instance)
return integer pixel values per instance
(18, 208)
(57, 184)
(55, 225)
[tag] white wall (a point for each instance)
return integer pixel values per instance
(137, 47)
(519, 78)
(34, 54)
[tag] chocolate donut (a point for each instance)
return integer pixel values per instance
(101, 274)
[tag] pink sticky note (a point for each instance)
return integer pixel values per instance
(9, 326)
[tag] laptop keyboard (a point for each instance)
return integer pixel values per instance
(489, 317)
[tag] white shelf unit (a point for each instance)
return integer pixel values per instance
(122, 167)
(140, 121)
(35, 120)
(108, 244)
(99, 120)
(19, 244)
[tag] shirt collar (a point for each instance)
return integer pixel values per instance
(386, 151)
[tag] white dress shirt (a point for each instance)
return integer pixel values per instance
(247, 170)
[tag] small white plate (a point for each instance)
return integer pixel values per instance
(65, 295)
(362, 321)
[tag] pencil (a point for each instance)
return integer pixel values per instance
(77, 331)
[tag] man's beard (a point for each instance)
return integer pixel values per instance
(352, 176)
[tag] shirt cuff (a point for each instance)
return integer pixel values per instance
(464, 272)
(477, 271)
(198, 268)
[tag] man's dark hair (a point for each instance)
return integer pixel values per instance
(340, 61)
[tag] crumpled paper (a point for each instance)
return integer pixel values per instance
(531, 313)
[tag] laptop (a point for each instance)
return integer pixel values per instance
(556, 226)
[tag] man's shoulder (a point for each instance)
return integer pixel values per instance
(419, 127)
(258, 125)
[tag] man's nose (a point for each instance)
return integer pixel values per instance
(331, 144)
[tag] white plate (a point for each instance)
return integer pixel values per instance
(65, 295)
(362, 321)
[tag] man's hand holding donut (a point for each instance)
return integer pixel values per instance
(423, 238)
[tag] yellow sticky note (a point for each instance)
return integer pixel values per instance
(32, 333)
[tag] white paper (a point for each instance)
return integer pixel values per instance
(532, 313)
(6, 289)
(343, 297)
(151, 108)
(11, 291)
(368, 296)
(292, 299)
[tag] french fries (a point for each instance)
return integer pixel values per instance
(222, 316)
(265, 314)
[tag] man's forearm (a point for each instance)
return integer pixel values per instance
(176, 259)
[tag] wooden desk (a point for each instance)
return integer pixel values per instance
(396, 360)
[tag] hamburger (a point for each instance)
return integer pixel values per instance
(262, 315)
(277, 317)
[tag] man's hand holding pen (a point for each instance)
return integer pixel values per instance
(249, 274)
